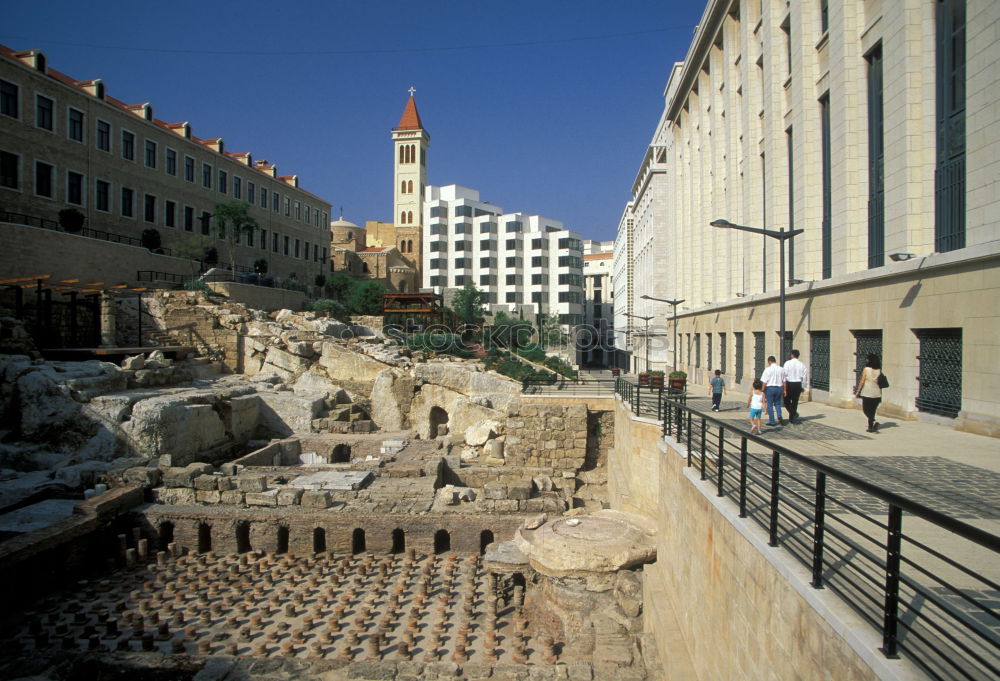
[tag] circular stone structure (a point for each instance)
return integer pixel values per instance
(605, 541)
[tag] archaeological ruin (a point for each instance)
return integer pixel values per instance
(286, 496)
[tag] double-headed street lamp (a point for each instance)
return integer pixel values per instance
(782, 236)
(646, 343)
(673, 304)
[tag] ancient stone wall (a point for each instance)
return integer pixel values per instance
(275, 530)
(260, 297)
(547, 436)
(719, 590)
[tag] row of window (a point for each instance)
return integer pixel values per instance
(45, 119)
(460, 211)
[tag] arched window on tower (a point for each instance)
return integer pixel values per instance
(402, 218)
(409, 246)
(402, 154)
(402, 187)
(409, 186)
(409, 217)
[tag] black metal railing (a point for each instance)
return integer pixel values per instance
(45, 223)
(153, 275)
(932, 594)
(554, 384)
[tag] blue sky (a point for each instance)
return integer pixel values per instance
(544, 107)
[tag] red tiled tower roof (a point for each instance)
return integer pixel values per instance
(410, 119)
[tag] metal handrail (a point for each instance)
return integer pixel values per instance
(950, 631)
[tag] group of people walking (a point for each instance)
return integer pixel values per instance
(782, 386)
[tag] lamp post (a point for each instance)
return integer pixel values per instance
(646, 342)
(782, 236)
(673, 304)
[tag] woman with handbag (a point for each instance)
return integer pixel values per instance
(870, 389)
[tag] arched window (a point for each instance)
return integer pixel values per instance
(485, 539)
(358, 541)
(204, 537)
(409, 186)
(243, 537)
(409, 217)
(402, 154)
(364, 267)
(442, 541)
(319, 540)
(402, 218)
(398, 541)
(402, 186)
(166, 533)
(409, 246)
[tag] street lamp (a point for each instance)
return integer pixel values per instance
(673, 304)
(646, 342)
(782, 236)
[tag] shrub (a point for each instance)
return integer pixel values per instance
(319, 281)
(151, 239)
(447, 343)
(678, 374)
(71, 220)
(197, 285)
(260, 265)
(330, 308)
(211, 256)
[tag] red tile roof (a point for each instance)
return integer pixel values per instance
(410, 119)
(598, 256)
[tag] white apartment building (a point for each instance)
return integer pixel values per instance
(596, 341)
(513, 258)
(873, 128)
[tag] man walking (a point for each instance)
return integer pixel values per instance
(796, 380)
(773, 379)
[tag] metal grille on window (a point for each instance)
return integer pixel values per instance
(697, 351)
(866, 343)
(786, 348)
(722, 352)
(819, 360)
(738, 351)
(758, 353)
(708, 351)
(940, 371)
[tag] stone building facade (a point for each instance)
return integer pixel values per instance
(69, 144)
(871, 127)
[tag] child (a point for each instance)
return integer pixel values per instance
(757, 403)
(718, 388)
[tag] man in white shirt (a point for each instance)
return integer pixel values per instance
(773, 379)
(796, 380)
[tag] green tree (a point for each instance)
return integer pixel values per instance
(194, 247)
(366, 298)
(339, 286)
(510, 332)
(233, 221)
(468, 305)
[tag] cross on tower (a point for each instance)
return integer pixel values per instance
(412, 90)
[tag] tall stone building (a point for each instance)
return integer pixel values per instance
(597, 341)
(873, 128)
(410, 142)
(67, 143)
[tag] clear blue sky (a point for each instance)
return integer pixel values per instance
(555, 124)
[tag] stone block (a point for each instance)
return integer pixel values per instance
(174, 496)
(506, 506)
(269, 498)
(178, 477)
(251, 483)
(495, 490)
(232, 497)
(200, 468)
(143, 475)
(205, 482)
(289, 497)
(519, 490)
(315, 498)
(224, 483)
(208, 496)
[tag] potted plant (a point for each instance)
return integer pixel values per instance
(678, 381)
(643, 378)
(655, 379)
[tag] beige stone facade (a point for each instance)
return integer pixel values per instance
(69, 144)
(778, 119)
